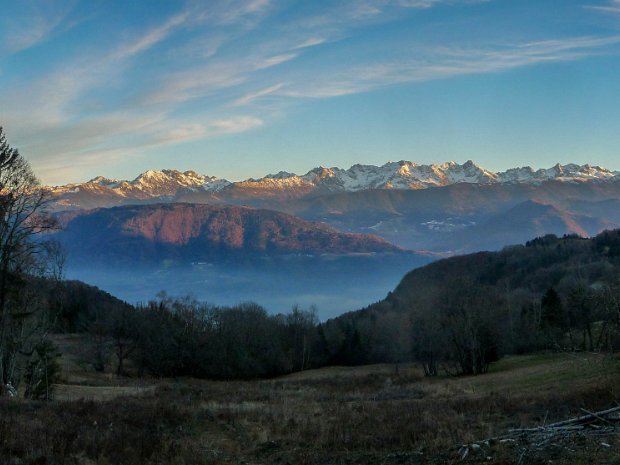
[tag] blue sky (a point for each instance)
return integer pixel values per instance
(241, 88)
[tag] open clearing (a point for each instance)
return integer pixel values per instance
(336, 415)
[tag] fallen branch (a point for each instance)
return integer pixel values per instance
(590, 416)
(554, 434)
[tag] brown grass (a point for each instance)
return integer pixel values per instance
(329, 416)
(65, 392)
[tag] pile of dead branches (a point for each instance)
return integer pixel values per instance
(561, 433)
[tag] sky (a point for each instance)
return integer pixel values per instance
(243, 88)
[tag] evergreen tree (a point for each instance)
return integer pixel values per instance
(553, 314)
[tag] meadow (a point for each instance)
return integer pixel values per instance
(377, 414)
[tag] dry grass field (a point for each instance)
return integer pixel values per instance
(337, 415)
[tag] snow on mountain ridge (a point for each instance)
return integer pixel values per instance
(154, 183)
(569, 173)
(392, 175)
(103, 181)
(150, 184)
(397, 175)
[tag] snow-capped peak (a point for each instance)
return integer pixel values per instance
(168, 182)
(567, 173)
(408, 175)
(103, 181)
(392, 175)
(150, 184)
(281, 175)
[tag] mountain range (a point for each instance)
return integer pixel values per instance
(332, 237)
(445, 208)
(168, 185)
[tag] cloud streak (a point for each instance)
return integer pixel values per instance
(32, 24)
(446, 62)
(104, 142)
(612, 6)
(198, 131)
(249, 98)
(151, 38)
(311, 42)
(275, 60)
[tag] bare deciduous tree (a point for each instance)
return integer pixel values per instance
(23, 216)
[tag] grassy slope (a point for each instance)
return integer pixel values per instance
(329, 416)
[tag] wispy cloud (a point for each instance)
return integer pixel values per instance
(239, 9)
(198, 131)
(231, 12)
(445, 62)
(275, 60)
(32, 24)
(107, 141)
(196, 73)
(151, 38)
(194, 83)
(419, 3)
(359, 12)
(612, 6)
(311, 42)
(205, 80)
(432, 3)
(249, 98)
(52, 124)
(51, 99)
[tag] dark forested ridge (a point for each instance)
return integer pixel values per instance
(464, 312)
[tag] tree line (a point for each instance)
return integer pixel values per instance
(171, 337)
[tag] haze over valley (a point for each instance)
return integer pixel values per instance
(229, 254)
(334, 238)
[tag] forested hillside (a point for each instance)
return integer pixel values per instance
(464, 312)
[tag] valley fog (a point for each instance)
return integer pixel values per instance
(334, 285)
